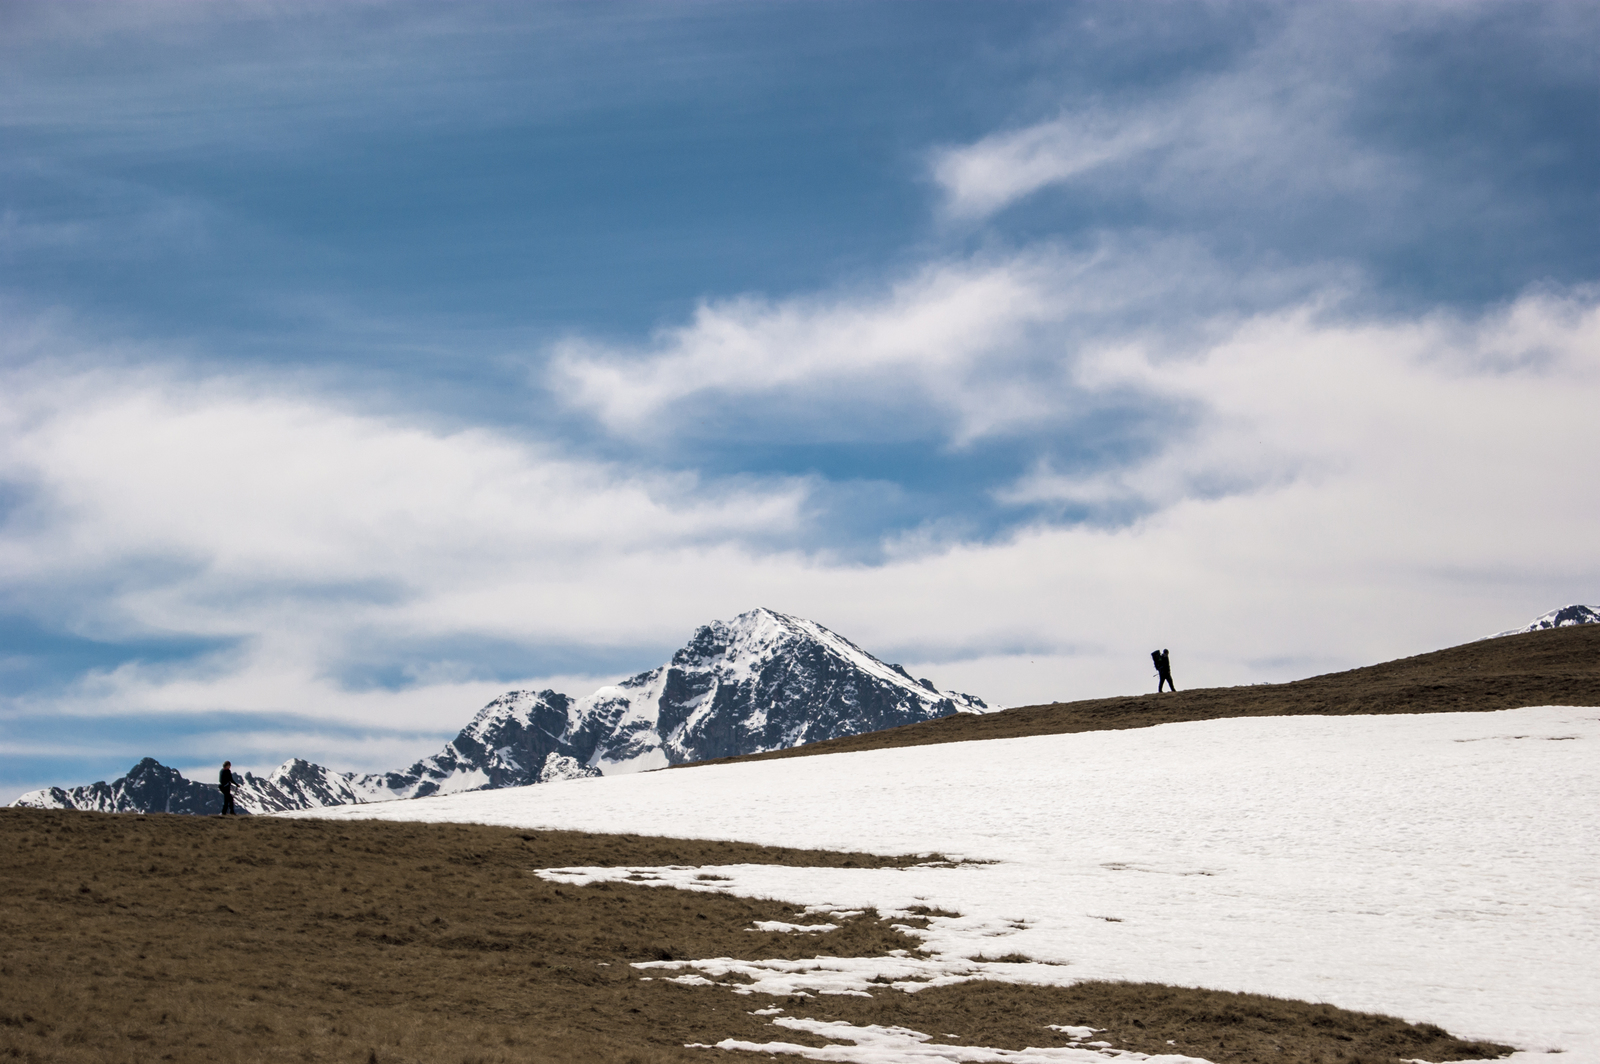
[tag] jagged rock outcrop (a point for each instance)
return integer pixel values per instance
(149, 787)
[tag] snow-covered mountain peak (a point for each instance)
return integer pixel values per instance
(1565, 617)
(290, 769)
(739, 649)
(732, 646)
(762, 681)
(519, 706)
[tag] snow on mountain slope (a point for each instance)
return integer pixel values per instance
(149, 787)
(763, 681)
(1440, 867)
(1565, 617)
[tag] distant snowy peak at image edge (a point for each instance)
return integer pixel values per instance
(763, 681)
(1565, 617)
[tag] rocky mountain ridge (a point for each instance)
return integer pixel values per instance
(764, 681)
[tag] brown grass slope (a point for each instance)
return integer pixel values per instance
(1559, 666)
(126, 939)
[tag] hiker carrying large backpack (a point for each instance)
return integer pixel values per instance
(1163, 662)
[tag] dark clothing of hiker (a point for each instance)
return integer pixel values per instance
(225, 784)
(1163, 662)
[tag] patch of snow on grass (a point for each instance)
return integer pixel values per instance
(858, 976)
(901, 1045)
(1443, 868)
(799, 929)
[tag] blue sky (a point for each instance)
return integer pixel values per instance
(362, 362)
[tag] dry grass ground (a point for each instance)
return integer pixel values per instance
(1558, 667)
(165, 938)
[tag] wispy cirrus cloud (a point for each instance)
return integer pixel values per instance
(984, 177)
(1378, 135)
(1274, 128)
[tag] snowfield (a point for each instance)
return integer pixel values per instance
(1444, 868)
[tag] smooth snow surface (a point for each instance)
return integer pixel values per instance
(1442, 867)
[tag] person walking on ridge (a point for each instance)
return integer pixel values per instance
(1163, 662)
(225, 784)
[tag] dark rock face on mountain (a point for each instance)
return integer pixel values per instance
(764, 681)
(149, 787)
(521, 737)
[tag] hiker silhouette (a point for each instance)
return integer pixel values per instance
(1163, 662)
(225, 782)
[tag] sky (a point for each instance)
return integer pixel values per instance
(361, 362)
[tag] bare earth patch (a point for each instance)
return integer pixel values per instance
(155, 938)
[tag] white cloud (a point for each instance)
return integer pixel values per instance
(957, 351)
(1268, 133)
(252, 489)
(1442, 405)
(1348, 491)
(146, 506)
(994, 172)
(928, 333)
